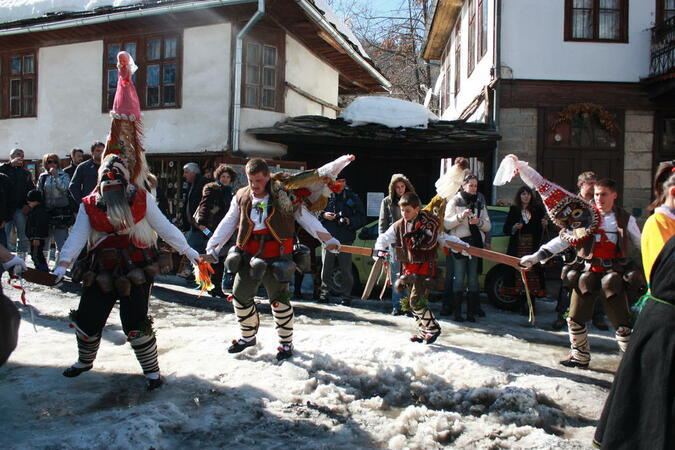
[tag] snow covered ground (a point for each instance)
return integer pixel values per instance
(355, 381)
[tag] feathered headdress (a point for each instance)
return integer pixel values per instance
(446, 187)
(126, 129)
(311, 187)
(577, 218)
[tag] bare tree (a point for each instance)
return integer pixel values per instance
(393, 40)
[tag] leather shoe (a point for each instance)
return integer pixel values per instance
(284, 351)
(240, 344)
(72, 371)
(153, 383)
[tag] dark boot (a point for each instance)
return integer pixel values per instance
(284, 351)
(239, 345)
(217, 280)
(471, 306)
(153, 383)
(599, 317)
(446, 307)
(73, 371)
(447, 301)
(558, 323)
(457, 306)
(474, 298)
(479, 309)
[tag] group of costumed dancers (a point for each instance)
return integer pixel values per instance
(119, 224)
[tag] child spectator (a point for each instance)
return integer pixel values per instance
(37, 229)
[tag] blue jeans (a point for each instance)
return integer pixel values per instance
(394, 268)
(462, 267)
(228, 281)
(19, 222)
(449, 275)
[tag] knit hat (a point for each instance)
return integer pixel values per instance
(577, 218)
(34, 196)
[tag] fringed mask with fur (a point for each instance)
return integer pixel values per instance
(577, 219)
(115, 192)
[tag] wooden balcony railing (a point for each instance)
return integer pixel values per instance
(663, 48)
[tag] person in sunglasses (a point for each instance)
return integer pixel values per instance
(53, 184)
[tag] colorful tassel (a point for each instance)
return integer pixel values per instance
(203, 272)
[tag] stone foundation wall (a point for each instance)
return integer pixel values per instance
(638, 154)
(518, 127)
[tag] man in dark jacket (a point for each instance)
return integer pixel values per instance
(22, 183)
(5, 212)
(76, 157)
(344, 214)
(85, 176)
(193, 196)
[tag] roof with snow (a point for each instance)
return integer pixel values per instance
(31, 16)
(16, 13)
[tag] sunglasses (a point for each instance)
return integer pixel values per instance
(51, 161)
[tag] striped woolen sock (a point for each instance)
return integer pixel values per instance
(248, 319)
(283, 319)
(145, 347)
(426, 320)
(580, 349)
(87, 347)
(622, 336)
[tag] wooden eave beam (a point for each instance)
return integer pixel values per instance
(445, 15)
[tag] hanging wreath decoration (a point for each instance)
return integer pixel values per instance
(606, 119)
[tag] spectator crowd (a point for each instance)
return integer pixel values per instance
(37, 216)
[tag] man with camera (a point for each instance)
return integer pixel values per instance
(344, 214)
(21, 183)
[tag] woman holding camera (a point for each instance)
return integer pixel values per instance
(466, 217)
(53, 183)
(525, 224)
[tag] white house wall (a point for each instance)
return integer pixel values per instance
(305, 70)
(309, 73)
(471, 85)
(533, 45)
(68, 105)
(69, 100)
(202, 123)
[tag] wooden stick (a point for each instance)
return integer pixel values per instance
(39, 277)
(365, 251)
(488, 254)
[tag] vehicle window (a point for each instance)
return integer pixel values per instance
(497, 218)
(369, 232)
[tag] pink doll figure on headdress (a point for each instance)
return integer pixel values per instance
(126, 105)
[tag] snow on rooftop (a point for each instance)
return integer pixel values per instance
(330, 16)
(13, 10)
(390, 112)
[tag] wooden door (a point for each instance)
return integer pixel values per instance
(569, 148)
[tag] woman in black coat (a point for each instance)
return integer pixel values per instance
(214, 204)
(525, 225)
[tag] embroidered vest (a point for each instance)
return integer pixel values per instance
(586, 248)
(403, 247)
(99, 219)
(281, 227)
